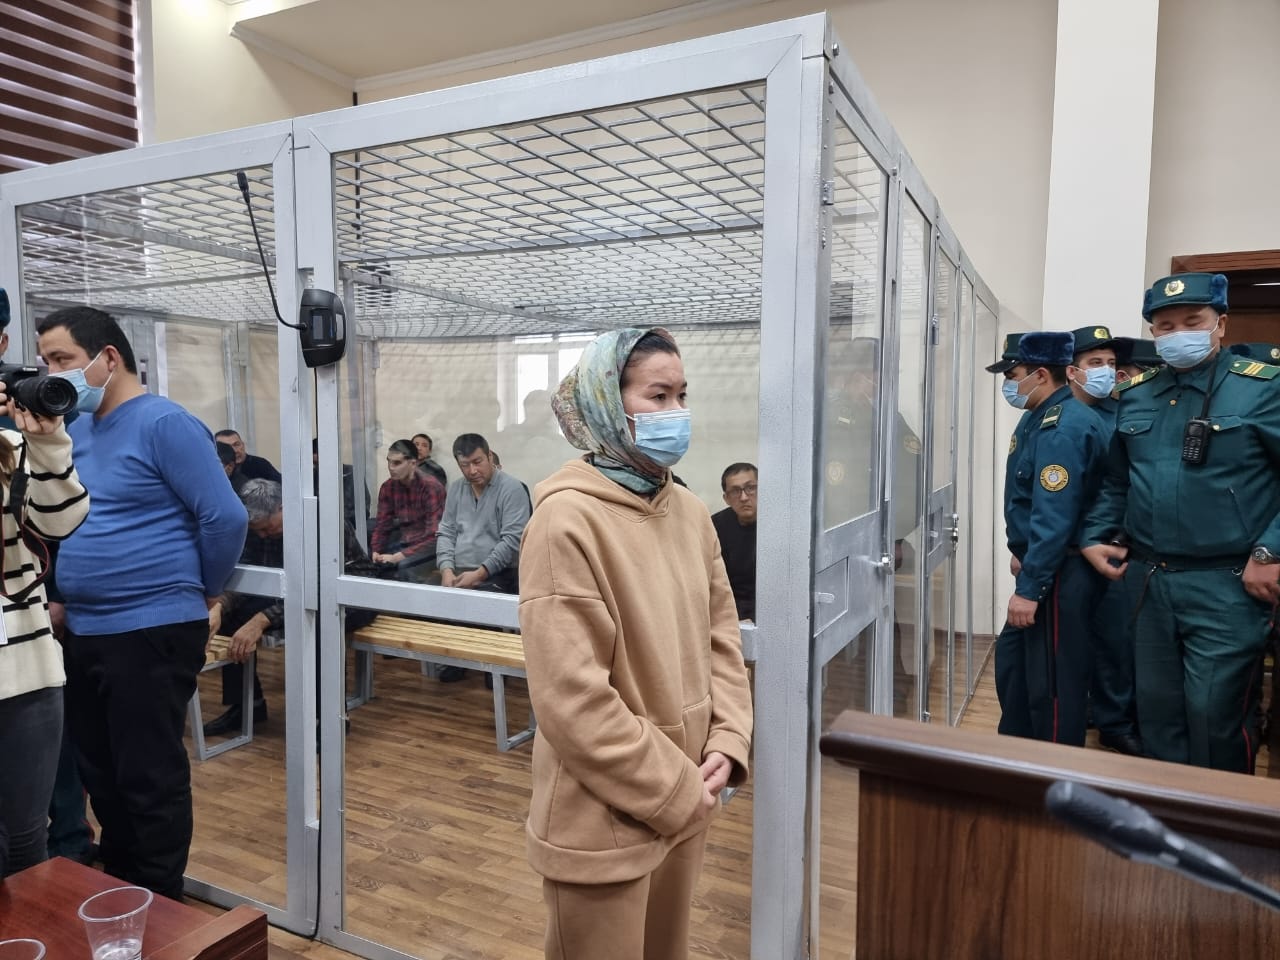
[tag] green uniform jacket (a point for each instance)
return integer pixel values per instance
(1056, 462)
(1220, 508)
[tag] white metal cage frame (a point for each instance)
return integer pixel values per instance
(631, 190)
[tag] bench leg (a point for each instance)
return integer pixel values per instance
(364, 680)
(505, 742)
(206, 752)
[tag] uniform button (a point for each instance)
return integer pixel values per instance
(1216, 427)
(1173, 403)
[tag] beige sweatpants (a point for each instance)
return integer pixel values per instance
(644, 919)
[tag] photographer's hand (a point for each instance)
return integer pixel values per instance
(25, 420)
(30, 424)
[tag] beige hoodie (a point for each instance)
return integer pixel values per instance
(635, 671)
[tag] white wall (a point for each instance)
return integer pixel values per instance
(205, 81)
(1217, 131)
(1101, 161)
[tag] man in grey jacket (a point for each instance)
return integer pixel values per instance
(478, 543)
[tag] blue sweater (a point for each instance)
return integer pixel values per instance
(164, 529)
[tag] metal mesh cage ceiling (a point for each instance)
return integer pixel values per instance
(646, 214)
(182, 248)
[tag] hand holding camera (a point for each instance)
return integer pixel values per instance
(35, 401)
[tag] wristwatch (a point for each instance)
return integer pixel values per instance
(1262, 555)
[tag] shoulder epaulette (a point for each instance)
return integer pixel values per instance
(1140, 378)
(1051, 417)
(1254, 368)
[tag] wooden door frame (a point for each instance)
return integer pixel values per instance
(1244, 269)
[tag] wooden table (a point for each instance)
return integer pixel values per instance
(41, 903)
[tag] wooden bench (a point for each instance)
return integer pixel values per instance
(491, 651)
(215, 658)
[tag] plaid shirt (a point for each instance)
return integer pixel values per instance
(408, 515)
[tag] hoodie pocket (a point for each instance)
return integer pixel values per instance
(696, 728)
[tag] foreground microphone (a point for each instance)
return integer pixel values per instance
(1135, 834)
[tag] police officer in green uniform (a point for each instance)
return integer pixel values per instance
(1054, 469)
(1093, 381)
(1266, 352)
(1193, 484)
(1134, 357)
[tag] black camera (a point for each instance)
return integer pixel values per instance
(30, 388)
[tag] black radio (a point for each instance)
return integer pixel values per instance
(1195, 440)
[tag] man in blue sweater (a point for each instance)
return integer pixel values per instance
(138, 578)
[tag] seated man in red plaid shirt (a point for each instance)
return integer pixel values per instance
(410, 504)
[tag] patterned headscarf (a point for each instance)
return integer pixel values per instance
(589, 408)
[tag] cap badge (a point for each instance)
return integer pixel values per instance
(1101, 333)
(1174, 287)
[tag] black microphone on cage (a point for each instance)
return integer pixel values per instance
(1127, 829)
(243, 181)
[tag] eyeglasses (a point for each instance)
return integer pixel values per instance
(748, 490)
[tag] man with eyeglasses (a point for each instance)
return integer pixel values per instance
(736, 527)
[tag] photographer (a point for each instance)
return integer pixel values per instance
(31, 676)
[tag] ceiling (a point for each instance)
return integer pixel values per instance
(336, 35)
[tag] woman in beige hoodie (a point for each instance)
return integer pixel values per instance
(634, 661)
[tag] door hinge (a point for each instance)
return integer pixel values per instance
(828, 193)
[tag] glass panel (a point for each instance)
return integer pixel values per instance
(850, 415)
(843, 687)
(263, 424)
(938, 642)
(192, 373)
(986, 516)
(909, 545)
(965, 434)
(499, 254)
(176, 250)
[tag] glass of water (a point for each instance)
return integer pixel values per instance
(114, 922)
(21, 950)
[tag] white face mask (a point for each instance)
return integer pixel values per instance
(1098, 381)
(1186, 348)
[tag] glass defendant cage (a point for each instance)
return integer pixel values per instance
(743, 191)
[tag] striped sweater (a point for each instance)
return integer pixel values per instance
(56, 505)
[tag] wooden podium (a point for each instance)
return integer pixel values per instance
(958, 859)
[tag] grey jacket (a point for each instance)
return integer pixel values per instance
(486, 531)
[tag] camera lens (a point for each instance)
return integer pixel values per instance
(45, 396)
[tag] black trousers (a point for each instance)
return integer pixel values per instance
(1042, 671)
(233, 673)
(127, 696)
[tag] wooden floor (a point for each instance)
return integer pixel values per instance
(435, 837)
(984, 714)
(435, 856)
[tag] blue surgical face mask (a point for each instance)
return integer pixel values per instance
(1098, 381)
(663, 437)
(1186, 348)
(88, 399)
(1011, 395)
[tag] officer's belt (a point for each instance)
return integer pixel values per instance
(1176, 563)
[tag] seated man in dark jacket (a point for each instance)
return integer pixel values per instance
(247, 618)
(736, 527)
